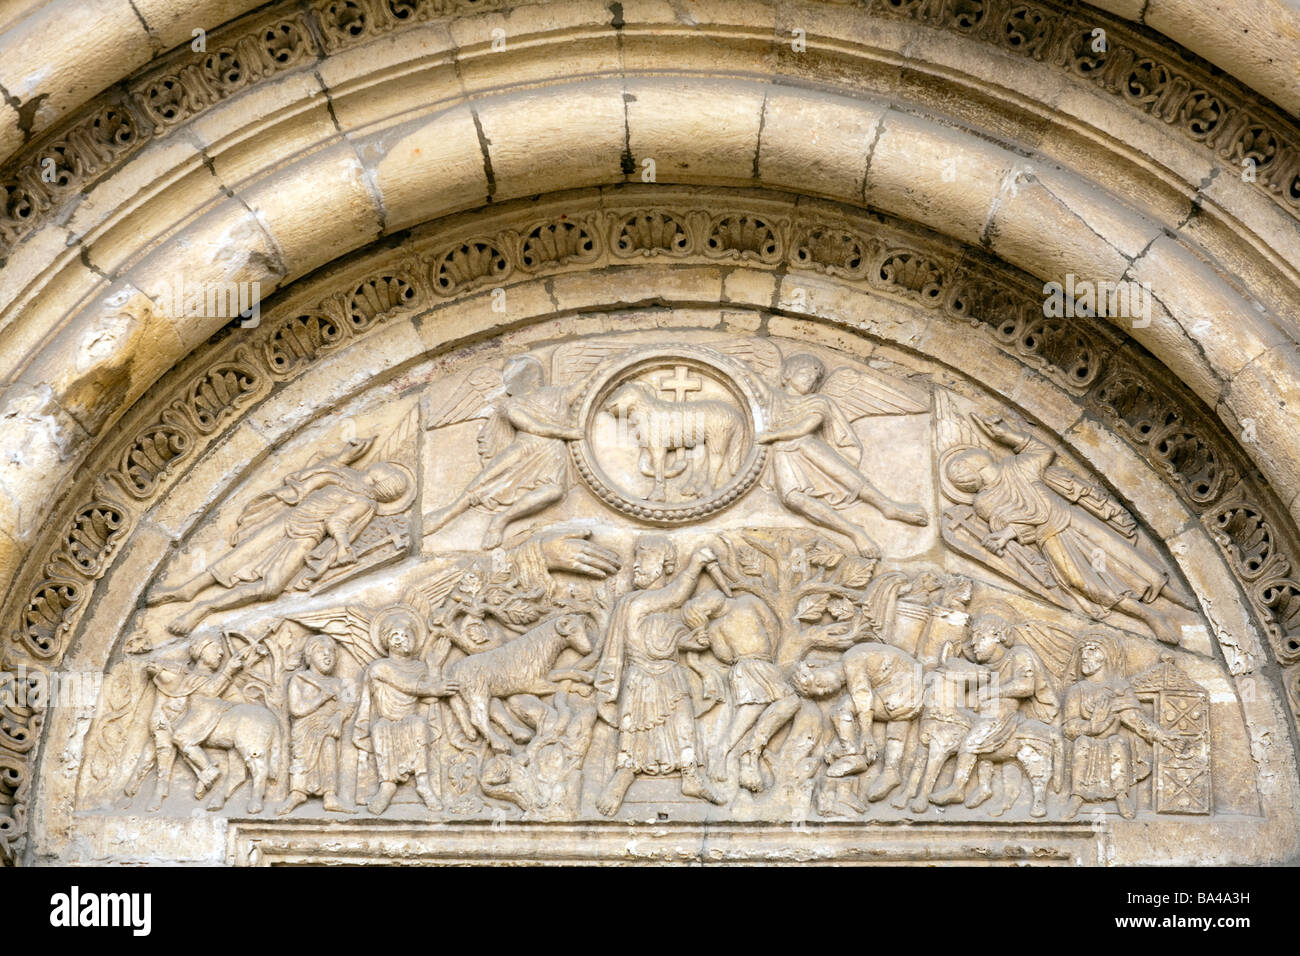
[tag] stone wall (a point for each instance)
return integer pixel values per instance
(711, 420)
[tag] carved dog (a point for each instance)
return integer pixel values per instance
(712, 429)
(522, 666)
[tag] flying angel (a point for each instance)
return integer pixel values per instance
(816, 457)
(521, 443)
(1063, 537)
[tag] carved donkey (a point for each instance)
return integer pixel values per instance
(521, 666)
(248, 734)
(1036, 746)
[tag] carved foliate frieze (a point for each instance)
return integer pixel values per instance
(113, 128)
(558, 243)
(1200, 105)
(1208, 109)
(211, 399)
(470, 264)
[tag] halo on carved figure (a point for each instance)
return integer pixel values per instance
(655, 453)
(952, 490)
(397, 613)
(398, 505)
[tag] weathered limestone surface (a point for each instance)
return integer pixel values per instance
(721, 432)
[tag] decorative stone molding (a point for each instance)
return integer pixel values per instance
(956, 285)
(1136, 70)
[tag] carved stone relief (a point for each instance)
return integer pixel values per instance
(709, 577)
(495, 497)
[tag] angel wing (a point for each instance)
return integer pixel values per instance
(1053, 644)
(429, 596)
(350, 626)
(953, 427)
(574, 361)
(399, 445)
(471, 399)
(759, 354)
(862, 392)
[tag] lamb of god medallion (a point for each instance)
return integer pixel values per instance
(669, 437)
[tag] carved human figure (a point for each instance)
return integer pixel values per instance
(815, 457)
(522, 447)
(643, 689)
(318, 707)
(187, 709)
(882, 683)
(391, 723)
(1019, 689)
(742, 632)
(1092, 562)
(310, 522)
(1099, 707)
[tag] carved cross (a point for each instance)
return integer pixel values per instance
(680, 382)
(1180, 716)
(964, 519)
(1186, 786)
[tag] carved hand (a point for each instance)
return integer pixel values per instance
(997, 543)
(1000, 429)
(571, 551)
(836, 634)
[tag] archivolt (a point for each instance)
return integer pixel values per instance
(336, 137)
(559, 265)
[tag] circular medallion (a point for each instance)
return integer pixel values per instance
(668, 435)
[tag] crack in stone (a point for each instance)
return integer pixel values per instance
(1200, 350)
(371, 186)
(84, 254)
(876, 133)
(1031, 178)
(155, 40)
(329, 101)
(484, 143)
(276, 263)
